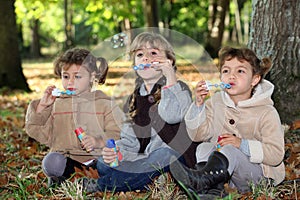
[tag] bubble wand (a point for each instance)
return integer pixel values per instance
(144, 66)
(57, 92)
(222, 85)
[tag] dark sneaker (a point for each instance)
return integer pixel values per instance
(55, 181)
(90, 185)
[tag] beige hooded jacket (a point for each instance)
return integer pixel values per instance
(255, 120)
(95, 112)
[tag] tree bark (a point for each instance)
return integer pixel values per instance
(218, 9)
(275, 33)
(69, 43)
(151, 13)
(35, 47)
(11, 74)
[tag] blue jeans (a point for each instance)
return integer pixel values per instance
(134, 175)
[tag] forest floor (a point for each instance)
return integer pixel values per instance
(21, 176)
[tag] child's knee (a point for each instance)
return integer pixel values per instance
(54, 164)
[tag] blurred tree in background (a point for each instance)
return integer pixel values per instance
(11, 73)
(48, 27)
(63, 24)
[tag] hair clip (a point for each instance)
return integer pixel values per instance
(222, 85)
(57, 92)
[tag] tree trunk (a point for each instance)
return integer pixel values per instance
(275, 33)
(151, 13)
(11, 74)
(35, 47)
(218, 9)
(68, 25)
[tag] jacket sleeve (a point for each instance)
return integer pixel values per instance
(113, 122)
(128, 143)
(174, 103)
(198, 120)
(39, 125)
(269, 149)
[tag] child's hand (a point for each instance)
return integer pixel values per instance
(230, 139)
(109, 155)
(200, 92)
(46, 100)
(165, 65)
(89, 143)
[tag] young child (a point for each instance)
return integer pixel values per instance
(154, 130)
(52, 120)
(251, 138)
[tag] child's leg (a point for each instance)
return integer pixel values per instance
(204, 150)
(59, 168)
(54, 164)
(135, 175)
(157, 159)
(243, 171)
(103, 168)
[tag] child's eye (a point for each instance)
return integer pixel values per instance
(65, 76)
(224, 71)
(139, 55)
(78, 77)
(154, 53)
(241, 71)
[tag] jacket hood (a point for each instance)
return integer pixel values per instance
(262, 96)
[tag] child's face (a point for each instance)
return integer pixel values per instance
(240, 76)
(76, 78)
(148, 55)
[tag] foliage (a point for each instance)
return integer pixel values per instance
(94, 21)
(189, 17)
(20, 156)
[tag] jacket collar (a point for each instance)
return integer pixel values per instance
(261, 96)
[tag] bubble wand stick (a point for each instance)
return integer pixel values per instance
(222, 85)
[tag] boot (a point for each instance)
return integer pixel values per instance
(216, 190)
(212, 175)
(90, 185)
(55, 181)
(199, 166)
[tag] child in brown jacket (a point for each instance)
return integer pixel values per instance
(53, 119)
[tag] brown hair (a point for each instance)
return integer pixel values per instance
(259, 67)
(83, 57)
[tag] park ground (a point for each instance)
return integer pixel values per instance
(21, 176)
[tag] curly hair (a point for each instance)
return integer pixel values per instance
(259, 67)
(83, 57)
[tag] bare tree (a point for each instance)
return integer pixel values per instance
(276, 33)
(11, 74)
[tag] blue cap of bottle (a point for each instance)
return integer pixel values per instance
(110, 143)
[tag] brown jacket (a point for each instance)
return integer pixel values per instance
(95, 112)
(255, 120)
